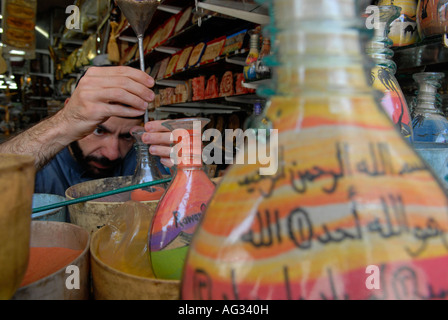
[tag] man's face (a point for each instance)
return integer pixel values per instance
(100, 152)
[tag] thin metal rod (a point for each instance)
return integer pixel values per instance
(141, 51)
(100, 195)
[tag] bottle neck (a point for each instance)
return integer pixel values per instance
(254, 43)
(428, 98)
(320, 67)
(379, 48)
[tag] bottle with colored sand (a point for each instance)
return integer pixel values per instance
(352, 211)
(183, 204)
(383, 72)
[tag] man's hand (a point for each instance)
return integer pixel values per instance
(158, 137)
(105, 92)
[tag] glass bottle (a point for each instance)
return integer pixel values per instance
(403, 30)
(145, 171)
(249, 70)
(383, 73)
(350, 195)
(429, 122)
(262, 70)
(184, 202)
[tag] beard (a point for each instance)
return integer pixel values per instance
(90, 170)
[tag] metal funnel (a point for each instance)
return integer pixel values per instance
(139, 14)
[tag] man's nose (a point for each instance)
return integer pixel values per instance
(110, 149)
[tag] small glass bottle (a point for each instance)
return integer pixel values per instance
(249, 70)
(145, 171)
(184, 202)
(429, 123)
(262, 70)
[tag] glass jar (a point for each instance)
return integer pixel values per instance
(145, 171)
(350, 198)
(383, 73)
(403, 29)
(428, 120)
(184, 202)
(432, 17)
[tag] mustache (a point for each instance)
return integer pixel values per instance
(103, 161)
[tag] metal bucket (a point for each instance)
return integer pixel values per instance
(436, 156)
(17, 175)
(54, 287)
(44, 199)
(111, 284)
(92, 215)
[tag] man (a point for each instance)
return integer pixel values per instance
(90, 137)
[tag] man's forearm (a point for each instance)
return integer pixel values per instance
(42, 141)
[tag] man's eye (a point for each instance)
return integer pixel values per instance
(98, 132)
(127, 137)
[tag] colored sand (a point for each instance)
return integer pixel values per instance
(143, 195)
(44, 261)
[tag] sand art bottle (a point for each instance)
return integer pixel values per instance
(383, 73)
(350, 197)
(403, 30)
(182, 206)
(428, 120)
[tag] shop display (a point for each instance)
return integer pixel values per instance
(155, 39)
(432, 17)
(183, 59)
(383, 73)
(349, 191)
(196, 54)
(172, 64)
(213, 49)
(403, 29)
(198, 88)
(162, 68)
(183, 92)
(168, 29)
(184, 18)
(226, 85)
(428, 120)
(211, 90)
(181, 207)
(239, 87)
(234, 42)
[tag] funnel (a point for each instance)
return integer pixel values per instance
(139, 14)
